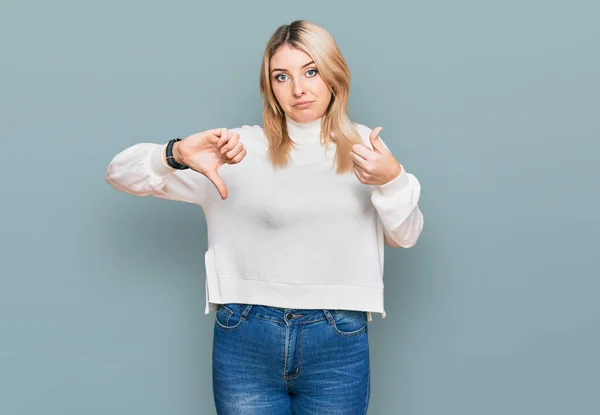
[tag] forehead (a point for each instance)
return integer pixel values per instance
(289, 58)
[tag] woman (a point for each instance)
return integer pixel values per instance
(297, 215)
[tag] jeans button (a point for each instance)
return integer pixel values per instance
(289, 316)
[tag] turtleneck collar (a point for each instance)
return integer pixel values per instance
(307, 132)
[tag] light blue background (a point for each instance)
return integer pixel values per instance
(494, 106)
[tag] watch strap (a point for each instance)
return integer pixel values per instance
(169, 155)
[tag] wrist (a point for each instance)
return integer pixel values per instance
(394, 174)
(396, 184)
(176, 154)
(397, 171)
(172, 160)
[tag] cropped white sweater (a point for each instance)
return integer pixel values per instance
(301, 237)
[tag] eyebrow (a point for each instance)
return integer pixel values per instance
(283, 70)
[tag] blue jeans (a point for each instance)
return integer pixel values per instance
(280, 361)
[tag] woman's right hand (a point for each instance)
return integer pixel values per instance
(207, 151)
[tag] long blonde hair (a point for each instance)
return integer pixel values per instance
(336, 126)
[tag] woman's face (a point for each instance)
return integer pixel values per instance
(297, 85)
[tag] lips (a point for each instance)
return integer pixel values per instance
(302, 104)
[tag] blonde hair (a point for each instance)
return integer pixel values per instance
(336, 126)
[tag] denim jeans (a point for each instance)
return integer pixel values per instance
(280, 361)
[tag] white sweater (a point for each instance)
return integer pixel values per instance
(301, 237)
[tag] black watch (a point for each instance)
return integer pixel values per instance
(169, 155)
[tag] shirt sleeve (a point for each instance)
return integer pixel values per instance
(140, 170)
(396, 203)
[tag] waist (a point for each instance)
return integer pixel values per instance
(286, 315)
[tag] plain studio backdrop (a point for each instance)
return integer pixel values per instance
(494, 106)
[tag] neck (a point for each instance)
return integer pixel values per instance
(307, 132)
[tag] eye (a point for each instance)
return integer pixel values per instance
(312, 70)
(278, 77)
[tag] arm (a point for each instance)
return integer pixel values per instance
(142, 170)
(395, 193)
(396, 203)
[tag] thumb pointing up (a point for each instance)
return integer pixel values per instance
(375, 142)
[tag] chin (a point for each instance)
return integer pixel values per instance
(302, 116)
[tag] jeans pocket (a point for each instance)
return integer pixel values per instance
(349, 322)
(229, 316)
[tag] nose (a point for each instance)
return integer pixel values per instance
(298, 89)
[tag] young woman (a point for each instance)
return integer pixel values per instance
(297, 213)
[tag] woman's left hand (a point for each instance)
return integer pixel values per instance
(377, 166)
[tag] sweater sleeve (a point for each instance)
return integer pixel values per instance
(140, 170)
(396, 203)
